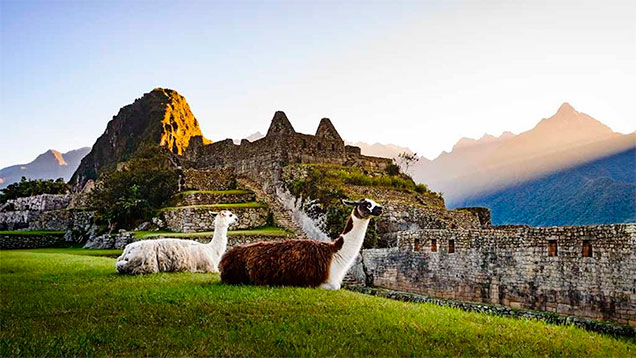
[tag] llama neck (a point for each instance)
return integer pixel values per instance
(219, 240)
(344, 258)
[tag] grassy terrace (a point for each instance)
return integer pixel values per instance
(264, 231)
(215, 192)
(253, 204)
(32, 232)
(63, 302)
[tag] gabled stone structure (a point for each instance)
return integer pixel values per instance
(264, 158)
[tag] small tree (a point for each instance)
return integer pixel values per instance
(126, 196)
(405, 160)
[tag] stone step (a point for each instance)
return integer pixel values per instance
(199, 218)
(207, 197)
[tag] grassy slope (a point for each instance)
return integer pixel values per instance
(263, 231)
(66, 304)
(216, 192)
(253, 204)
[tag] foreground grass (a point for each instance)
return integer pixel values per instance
(64, 303)
(264, 231)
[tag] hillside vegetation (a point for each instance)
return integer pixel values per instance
(64, 302)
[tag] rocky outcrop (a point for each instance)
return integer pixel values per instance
(159, 118)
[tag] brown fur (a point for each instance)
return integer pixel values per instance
(286, 262)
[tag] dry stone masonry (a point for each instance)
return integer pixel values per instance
(200, 218)
(587, 271)
(214, 197)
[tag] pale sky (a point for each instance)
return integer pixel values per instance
(417, 74)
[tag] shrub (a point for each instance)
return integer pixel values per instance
(133, 193)
(393, 169)
(27, 187)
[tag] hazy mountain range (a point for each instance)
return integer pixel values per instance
(478, 167)
(48, 165)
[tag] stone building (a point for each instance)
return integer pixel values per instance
(263, 159)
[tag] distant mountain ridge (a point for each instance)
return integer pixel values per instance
(48, 165)
(599, 192)
(476, 167)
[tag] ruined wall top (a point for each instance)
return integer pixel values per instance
(280, 125)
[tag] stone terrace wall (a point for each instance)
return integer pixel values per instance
(41, 202)
(512, 267)
(10, 242)
(400, 217)
(16, 220)
(202, 198)
(199, 219)
(63, 220)
(208, 179)
(121, 239)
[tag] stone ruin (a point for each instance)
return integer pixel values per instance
(263, 159)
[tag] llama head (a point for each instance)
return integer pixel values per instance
(224, 218)
(364, 208)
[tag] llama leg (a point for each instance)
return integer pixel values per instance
(330, 286)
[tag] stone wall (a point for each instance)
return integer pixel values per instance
(30, 241)
(121, 239)
(67, 219)
(16, 220)
(521, 267)
(400, 217)
(208, 179)
(41, 202)
(202, 198)
(199, 219)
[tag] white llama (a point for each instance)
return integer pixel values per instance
(174, 255)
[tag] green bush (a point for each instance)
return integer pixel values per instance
(27, 187)
(133, 193)
(393, 169)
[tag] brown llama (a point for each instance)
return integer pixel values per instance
(305, 263)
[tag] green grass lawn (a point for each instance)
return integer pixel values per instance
(251, 204)
(67, 303)
(264, 231)
(216, 192)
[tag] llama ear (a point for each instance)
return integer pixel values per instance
(214, 213)
(349, 202)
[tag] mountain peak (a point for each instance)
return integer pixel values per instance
(59, 157)
(161, 117)
(566, 108)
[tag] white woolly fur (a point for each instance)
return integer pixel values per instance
(175, 255)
